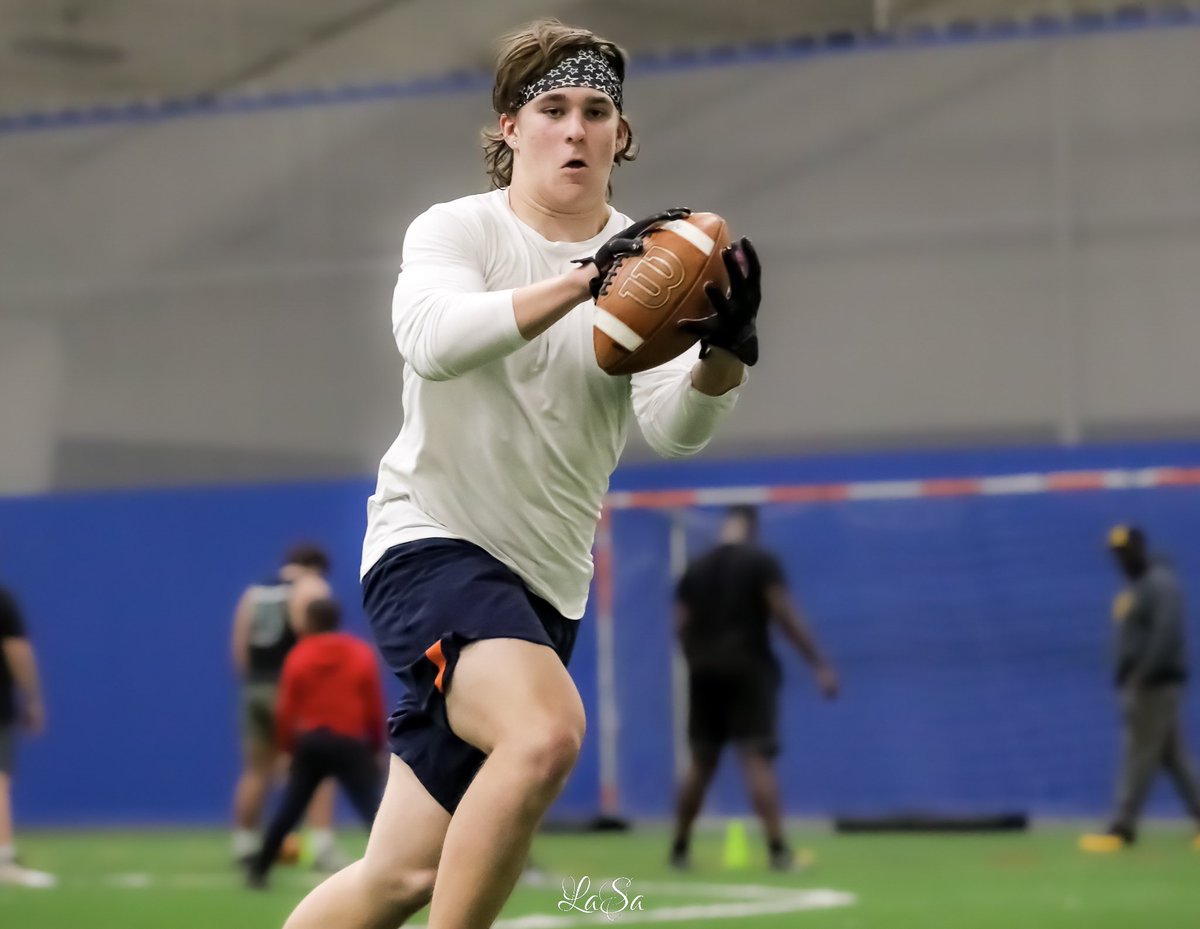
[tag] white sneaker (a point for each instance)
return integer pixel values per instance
(331, 860)
(14, 875)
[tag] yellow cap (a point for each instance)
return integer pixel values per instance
(1118, 537)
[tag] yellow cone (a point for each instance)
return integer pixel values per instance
(1101, 843)
(737, 846)
(308, 851)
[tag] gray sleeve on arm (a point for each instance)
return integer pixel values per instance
(445, 321)
(677, 419)
(1151, 611)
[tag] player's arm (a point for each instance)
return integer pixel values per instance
(676, 417)
(239, 646)
(22, 663)
(729, 334)
(1155, 644)
(538, 306)
(791, 622)
(717, 373)
(684, 593)
(447, 322)
(683, 617)
(680, 404)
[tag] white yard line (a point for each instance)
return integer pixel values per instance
(791, 902)
(730, 901)
(231, 880)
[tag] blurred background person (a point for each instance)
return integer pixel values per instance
(1151, 674)
(725, 604)
(330, 720)
(202, 209)
(20, 706)
(266, 626)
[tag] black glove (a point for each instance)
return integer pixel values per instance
(625, 243)
(731, 324)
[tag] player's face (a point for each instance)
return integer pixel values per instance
(736, 528)
(564, 143)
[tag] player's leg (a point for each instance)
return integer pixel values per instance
(309, 768)
(1178, 763)
(762, 785)
(258, 769)
(707, 731)
(395, 877)
(250, 797)
(753, 701)
(11, 871)
(319, 820)
(514, 701)
(8, 851)
(452, 621)
(1148, 728)
(690, 800)
(357, 771)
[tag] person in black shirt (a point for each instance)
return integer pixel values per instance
(726, 602)
(266, 624)
(20, 705)
(1150, 673)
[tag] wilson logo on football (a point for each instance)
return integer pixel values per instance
(650, 282)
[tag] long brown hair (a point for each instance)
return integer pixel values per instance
(526, 55)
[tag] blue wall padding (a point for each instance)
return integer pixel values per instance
(972, 635)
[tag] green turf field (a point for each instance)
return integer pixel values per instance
(180, 880)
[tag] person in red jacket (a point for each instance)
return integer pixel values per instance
(329, 718)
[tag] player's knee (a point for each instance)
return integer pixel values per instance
(403, 892)
(549, 751)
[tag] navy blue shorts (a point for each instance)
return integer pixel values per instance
(426, 601)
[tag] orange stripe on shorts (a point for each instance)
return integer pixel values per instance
(434, 654)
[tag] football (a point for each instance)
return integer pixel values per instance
(644, 296)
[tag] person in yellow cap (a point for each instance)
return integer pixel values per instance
(1151, 673)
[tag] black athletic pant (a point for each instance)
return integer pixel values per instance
(1153, 741)
(320, 754)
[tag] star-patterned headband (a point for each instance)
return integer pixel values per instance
(587, 68)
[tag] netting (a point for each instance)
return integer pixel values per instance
(972, 631)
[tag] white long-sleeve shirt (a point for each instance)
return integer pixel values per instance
(509, 443)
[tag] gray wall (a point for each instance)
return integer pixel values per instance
(977, 242)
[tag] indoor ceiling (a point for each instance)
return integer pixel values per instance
(65, 53)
